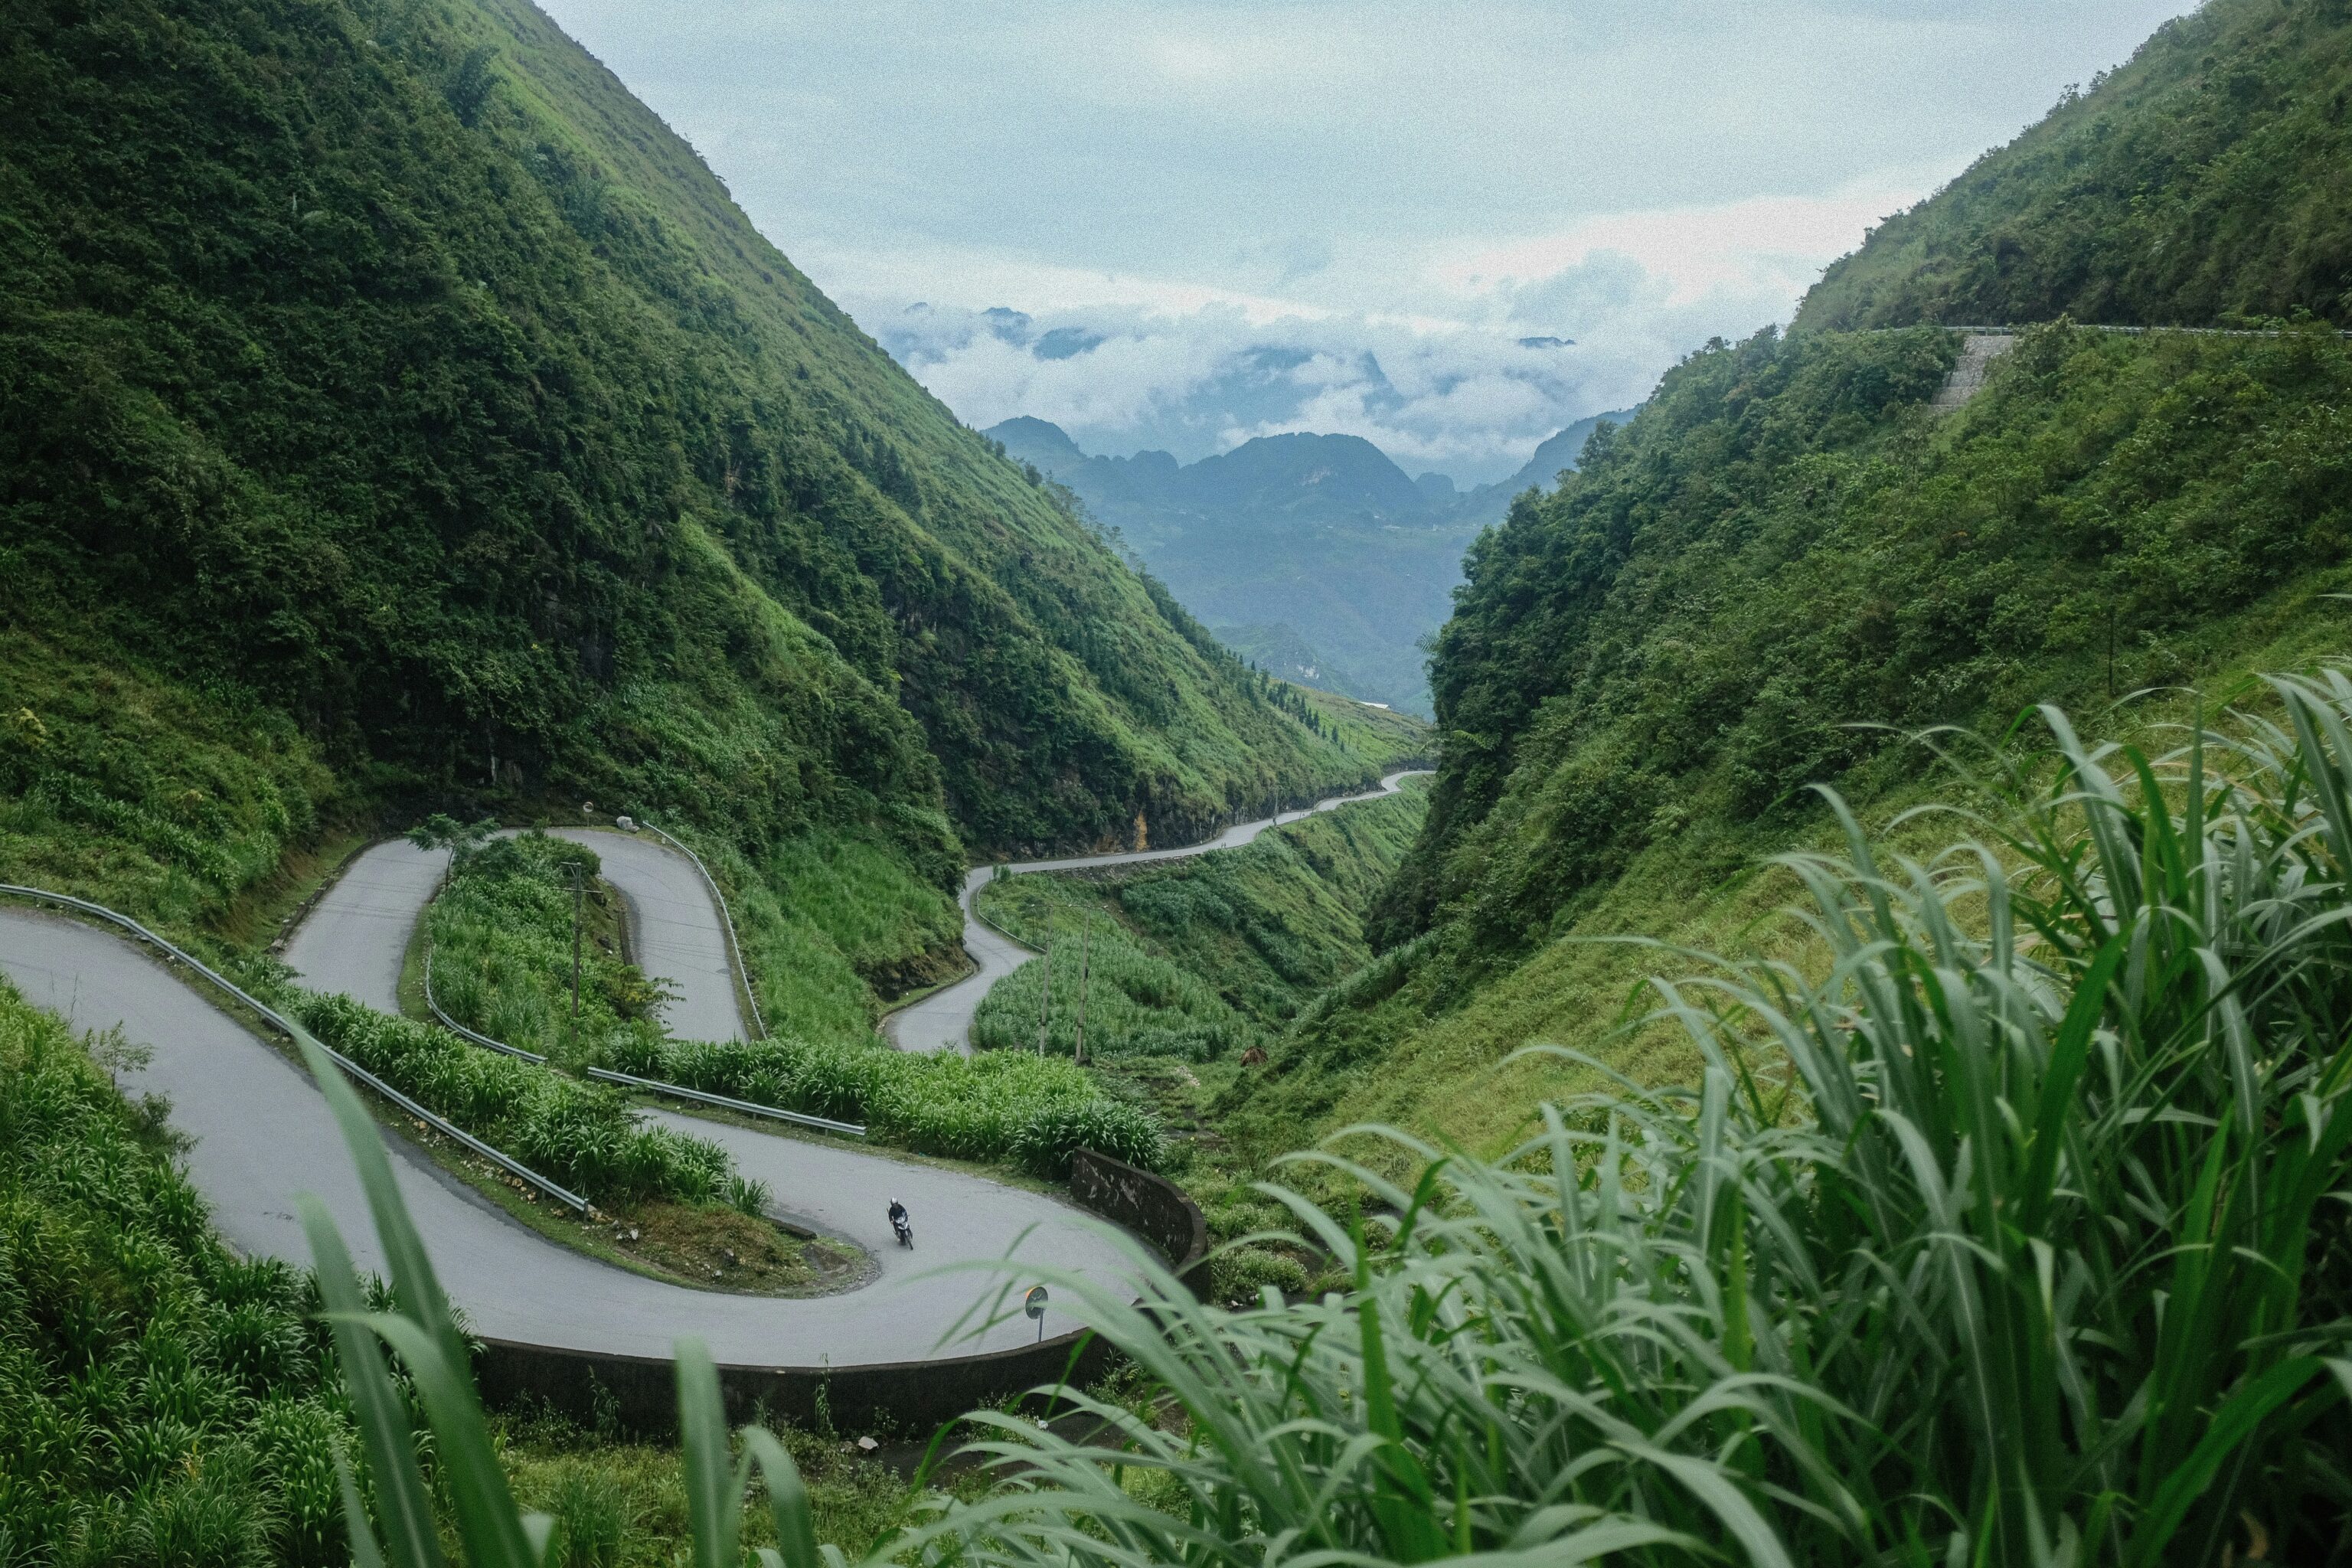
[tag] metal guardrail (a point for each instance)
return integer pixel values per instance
(997, 870)
(749, 1108)
(293, 1031)
(455, 1027)
(734, 946)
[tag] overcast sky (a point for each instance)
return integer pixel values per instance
(1200, 221)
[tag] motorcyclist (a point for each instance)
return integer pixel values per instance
(898, 1222)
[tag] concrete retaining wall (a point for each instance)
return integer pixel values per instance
(1154, 1208)
(907, 1396)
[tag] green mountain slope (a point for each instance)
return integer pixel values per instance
(1787, 547)
(505, 468)
(388, 376)
(2210, 177)
(1786, 561)
(1784, 554)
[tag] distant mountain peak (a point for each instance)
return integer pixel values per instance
(1038, 441)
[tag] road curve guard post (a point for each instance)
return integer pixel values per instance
(1034, 1304)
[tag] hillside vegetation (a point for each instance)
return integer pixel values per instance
(1197, 959)
(1784, 562)
(1781, 558)
(395, 410)
(166, 1401)
(1786, 552)
(2209, 177)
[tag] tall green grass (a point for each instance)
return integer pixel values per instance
(1132, 1003)
(1199, 958)
(2011, 1231)
(160, 1400)
(582, 1135)
(830, 922)
(502, 952)
(1001, 1107)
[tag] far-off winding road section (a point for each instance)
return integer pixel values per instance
(942, 1021)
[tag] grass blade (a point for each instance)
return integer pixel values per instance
(712, 1487)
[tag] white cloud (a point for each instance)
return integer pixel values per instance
(1749, 247)
(1335, 214)
(1457, 373)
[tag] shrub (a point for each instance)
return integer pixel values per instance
(1239, 1273)
(579, 1135)
(999, 1106)
(160, 1400)
(1135, 1004)
(1044, 1141)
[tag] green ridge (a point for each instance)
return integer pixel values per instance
(1785, 559)
(2209, 177)
(385, 382)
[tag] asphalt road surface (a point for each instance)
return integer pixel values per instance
(942, 1021)
(675, 933)
(354, 938)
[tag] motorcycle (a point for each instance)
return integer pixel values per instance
(905, 1231)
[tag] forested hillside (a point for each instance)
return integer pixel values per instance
(1786, 564)
(396, 410)
(2208, 176)
(1782, 564)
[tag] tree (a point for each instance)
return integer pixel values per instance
(462, 839)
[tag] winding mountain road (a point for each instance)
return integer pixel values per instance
(942, 1021)
(260, 1132)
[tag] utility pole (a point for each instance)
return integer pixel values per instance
(577, 890)
(1046, 1003)
(1086, 951)
(2111, 644)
